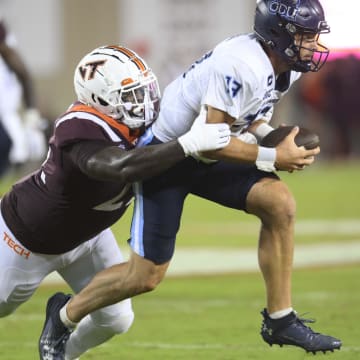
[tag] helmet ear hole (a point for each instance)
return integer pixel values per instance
(99, 100)
(102, 102)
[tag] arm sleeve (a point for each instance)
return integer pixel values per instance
(100, 161)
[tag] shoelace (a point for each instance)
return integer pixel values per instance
(304, 321)
(311, 321)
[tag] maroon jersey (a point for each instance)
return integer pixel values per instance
(58, 207)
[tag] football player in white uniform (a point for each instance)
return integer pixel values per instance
(237, 83)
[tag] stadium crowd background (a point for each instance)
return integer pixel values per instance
(53, 34)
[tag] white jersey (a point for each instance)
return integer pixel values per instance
(236, 77)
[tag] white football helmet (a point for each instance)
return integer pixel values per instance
(117, 82)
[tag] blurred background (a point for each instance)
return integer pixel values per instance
(52, 36)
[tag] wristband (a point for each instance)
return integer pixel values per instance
(265, 160)
(262, 130)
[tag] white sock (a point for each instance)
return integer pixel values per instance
(98, 328)
(64, 318)
(86, 336)
(281, 313)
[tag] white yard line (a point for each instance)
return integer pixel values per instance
(214, 261)
(303, 227)
(200, 261)
(204, 346)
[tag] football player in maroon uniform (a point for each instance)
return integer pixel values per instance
(59, 217)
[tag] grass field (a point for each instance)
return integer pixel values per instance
(217, 317)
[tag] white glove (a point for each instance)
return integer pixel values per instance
(204, 137)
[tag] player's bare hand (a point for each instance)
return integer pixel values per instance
(291, 157)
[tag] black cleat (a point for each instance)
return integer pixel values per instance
(291, 330)
(54, 334)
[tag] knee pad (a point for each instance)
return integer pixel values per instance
(13, 294)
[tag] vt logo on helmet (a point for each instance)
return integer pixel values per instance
(292, 29)
(117, 82)
(88, 70)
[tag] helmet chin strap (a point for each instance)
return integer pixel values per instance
(138, 111)
(135, 110)
(139, 114)
(302, 66)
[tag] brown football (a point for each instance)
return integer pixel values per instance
(304, 137)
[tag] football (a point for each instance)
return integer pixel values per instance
(304, 137)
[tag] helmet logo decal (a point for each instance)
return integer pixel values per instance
(127, 81)
(88, 70)
(278, 8)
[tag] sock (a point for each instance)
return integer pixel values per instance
(281, 313)
(86, 336)
(64, 318)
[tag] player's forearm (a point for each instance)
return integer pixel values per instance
(135, 165)
(100, 161)
(236, 151)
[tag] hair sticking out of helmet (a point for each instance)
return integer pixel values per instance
(292, 29)
(117, 82)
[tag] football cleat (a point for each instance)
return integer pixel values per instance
(54, 334)
(291, 330)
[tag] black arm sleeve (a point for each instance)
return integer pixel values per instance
(100, 161)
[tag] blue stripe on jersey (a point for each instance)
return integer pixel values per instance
(137, 225)
(146, 138)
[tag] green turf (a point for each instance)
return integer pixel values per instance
(218, 317)
(209, 318)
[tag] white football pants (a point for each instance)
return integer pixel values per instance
(22, 271)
